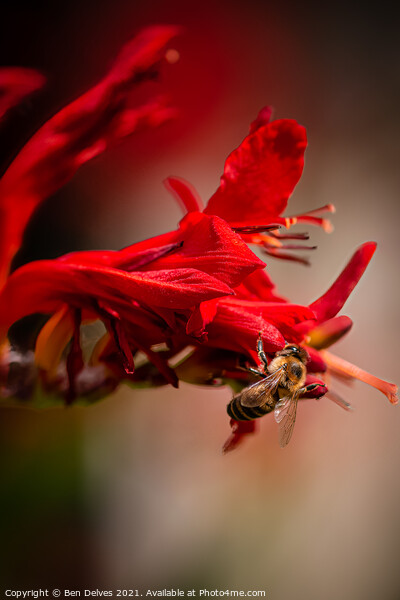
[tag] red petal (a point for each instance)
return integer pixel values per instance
(80, 131)
(210, 245)
(282, 315)
(175, 288)
(317, 392)
(258, 286)
(328, 305)
(260, 175)
(184, 193)
(43, 286)
(157, 359)
(236, 328)
(239, 431)
(15, 84)
(316, 363)
(127, 259)
(149, 244)
(237, 323)
(113, 321)
(137, 338)
(329, 332)
(263, 117)
(204, 242)
(201, 317)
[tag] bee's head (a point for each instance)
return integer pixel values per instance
(296, 351)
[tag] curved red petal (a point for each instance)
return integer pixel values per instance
(184, 193)
(317, 392)
(201, 317)
(210, 245)
(258, 286)
(239, 431)
(43, 286)
(80, 131)
(204, 242)
(329, 332)
(282, 315)
(260, 175)
(128, 259)
(316, 363)
(112, 320)
(263, 117)
(328, 305)
(236, 328)
(237, 323)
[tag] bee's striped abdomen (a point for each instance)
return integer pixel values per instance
(245, 413)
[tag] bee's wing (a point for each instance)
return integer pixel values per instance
(257, 393)
(285, 415)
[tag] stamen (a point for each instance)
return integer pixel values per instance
(271, 242)
(255, 228)
(293, 236)
(342, 367)
(324, 223)
(311, 217)
(289, 221)
(141, 259)
(297, 247)
(286, 256)
(316, 211)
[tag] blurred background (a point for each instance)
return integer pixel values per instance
(134, 492)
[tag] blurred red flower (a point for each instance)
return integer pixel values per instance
(79, 132)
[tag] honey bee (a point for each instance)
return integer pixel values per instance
(278, 391)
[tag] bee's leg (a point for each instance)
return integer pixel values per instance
(308, 388)
(255, 371)
(244, 366)
(260, 350)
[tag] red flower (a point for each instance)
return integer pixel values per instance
(197, 290)
(202, 260)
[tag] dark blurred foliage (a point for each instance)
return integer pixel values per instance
(43, 516)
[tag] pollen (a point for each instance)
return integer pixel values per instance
(327, 225)
(289, 221)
